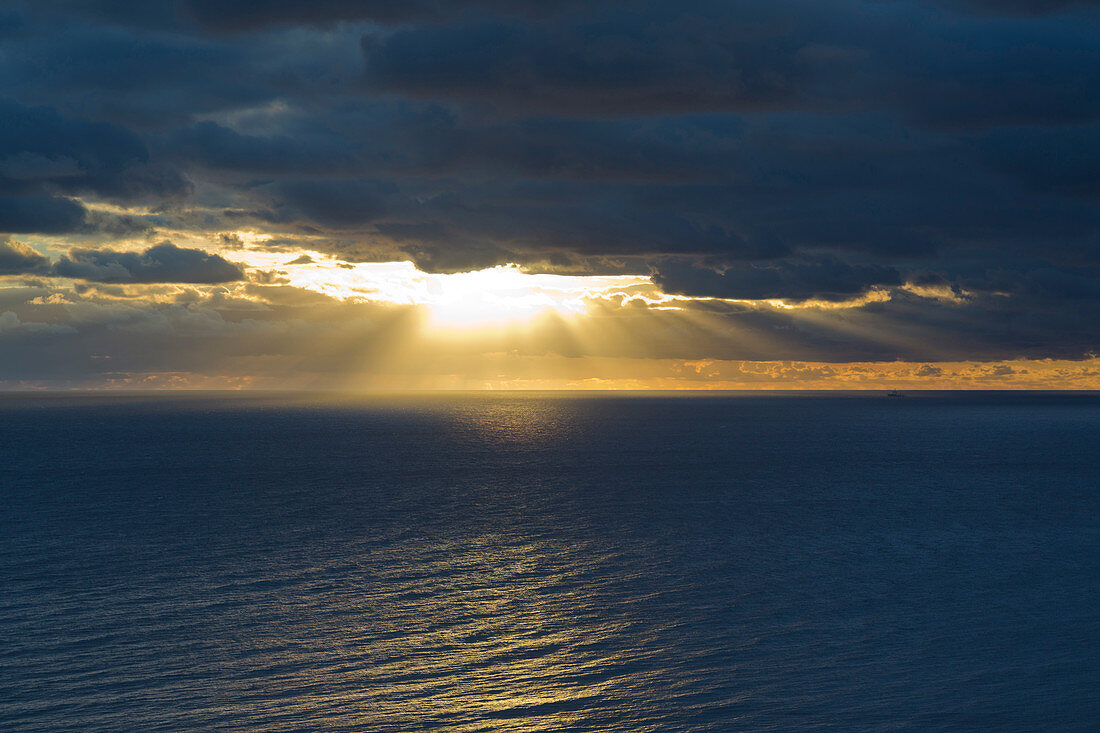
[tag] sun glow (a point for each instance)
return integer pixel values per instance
(507, 295)
(496, 296)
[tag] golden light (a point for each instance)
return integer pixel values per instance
(496, 296)
(389, 326)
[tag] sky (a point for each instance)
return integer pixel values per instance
(484, 194)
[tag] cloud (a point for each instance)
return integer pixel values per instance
(788, 55)
(1012, 7)
(795, 149)
(823, 278)
(335, 203)
(163, 263)
(10, 323)
(17, 258)
(40, 213)
(214, 146)
(42, 151)
(618, 64)
(244, 15)
(48, 160)
(1063, 159)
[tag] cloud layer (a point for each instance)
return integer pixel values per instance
(164, 263)
(943, 152)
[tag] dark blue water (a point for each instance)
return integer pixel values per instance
(542, 562)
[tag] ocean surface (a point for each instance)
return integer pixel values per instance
(508, 562)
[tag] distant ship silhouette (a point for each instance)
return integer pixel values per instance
(894, 393)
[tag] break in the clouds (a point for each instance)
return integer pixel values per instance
(914, 179)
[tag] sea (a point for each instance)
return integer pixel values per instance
(550, 562)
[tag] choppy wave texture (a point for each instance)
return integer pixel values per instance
(540, 562)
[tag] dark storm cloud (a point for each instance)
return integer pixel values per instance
(163, 263)
(39, 213)
(47, 158)
(1064, 159)
(529, 222)
(624, 65)
(791, 149)
(17, 258)
(214, 146)
(1007, 71)
(1008, 7)
(239, 15)
(335, 203)
(748, 57)
(414, 140)
(116, 60)
(140, 79)
(233, 16)
(799, 280)
(139, 13)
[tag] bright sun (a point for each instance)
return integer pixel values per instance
(494, 297)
